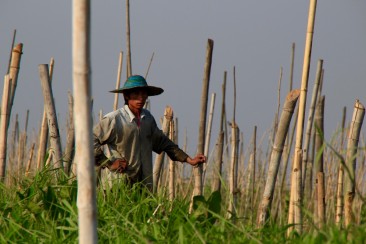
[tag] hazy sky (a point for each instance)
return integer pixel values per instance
(254, 36)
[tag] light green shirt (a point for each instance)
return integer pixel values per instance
(118, 136)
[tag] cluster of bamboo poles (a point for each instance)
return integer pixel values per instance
(322, 178)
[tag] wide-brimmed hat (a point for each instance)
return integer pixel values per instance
(137, 81)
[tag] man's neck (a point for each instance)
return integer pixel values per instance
(135, 111)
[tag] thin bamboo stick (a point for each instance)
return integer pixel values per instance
(295, 217)
(118, 81)
(249, 195)
(13, 72)
(275, 159)
(319, 143)
(309, 126)
(349, 180)
(70, 142)
(148, 68)
(11, 50)
(208, 133)
(44, 128)
(171, 167)
(84, 157)
(4, 127)
(27, 171)
(216, 182)
(197, 170)
(340, 203)
(128, 39)
(51, 115)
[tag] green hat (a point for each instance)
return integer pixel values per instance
(137, 81)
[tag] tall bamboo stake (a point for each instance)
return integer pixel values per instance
(233, 176)
(128, 39)
(51, 115)
(339, 204)
(208, 133)
(319, 143)
(275, 159)
(314, 98)
(295, 217)
(4, 127)
(70, 142)
(216, 182)
(120, 61)
(171, 166)
(44, 128)
(197, 170)
(349, 180)
(13, 72)
(168, 117)
(84, 157)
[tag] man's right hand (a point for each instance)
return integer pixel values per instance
(119, 165)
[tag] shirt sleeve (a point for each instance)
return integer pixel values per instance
(104, 134)
(162, 143)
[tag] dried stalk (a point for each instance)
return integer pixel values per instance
(249, 195)
(27, 171)
(285, 120)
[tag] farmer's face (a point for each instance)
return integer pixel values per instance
(137, 99)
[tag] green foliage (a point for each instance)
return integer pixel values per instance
(43, 209)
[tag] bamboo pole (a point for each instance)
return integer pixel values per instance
(84, 157)
(159, 159)
(216, 182)
(118, 81)
(319, 144)
(4, 127)
(11, 50)
(233, 176)
(340, 203)
(295, 217)
(51, 115)
(70, 142)
(171, 166)
(27, 171)
(208, 133)
(197, 170)
(349, 180)
(249, 195)
(275, 159)
(148, 67)
(305, 159)
(128, 39)
(292, 66)
(44, 128)
(13, 73)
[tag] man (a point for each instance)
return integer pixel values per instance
(125, 139)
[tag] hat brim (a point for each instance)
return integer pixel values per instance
(151, 90)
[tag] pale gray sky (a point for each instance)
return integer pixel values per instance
(254, 36)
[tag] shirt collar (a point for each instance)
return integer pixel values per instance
(132, 116)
